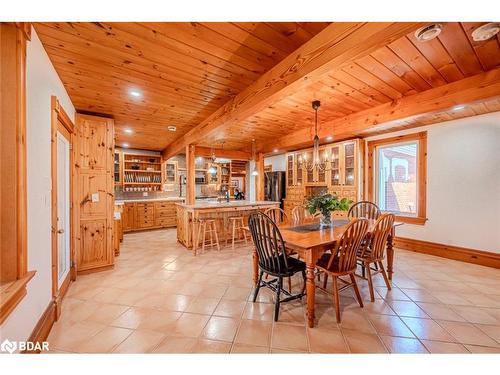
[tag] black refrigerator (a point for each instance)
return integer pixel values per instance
(275, 187)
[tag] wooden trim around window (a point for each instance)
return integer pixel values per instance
(12, 293)
(421, 218)
(14, 273)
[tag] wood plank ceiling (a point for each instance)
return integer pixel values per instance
(402, 68)
(184, 71)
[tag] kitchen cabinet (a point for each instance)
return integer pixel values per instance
(94, 191)
(295, 196)
(290, 170)
(346, 173)
(301, 175)
(170, 172)
(118, 167)
(128, 217)
(343, 176)
(148, 215)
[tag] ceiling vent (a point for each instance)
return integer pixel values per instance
(428, 32)
(485, 32)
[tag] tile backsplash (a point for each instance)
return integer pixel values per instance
(168, 191)
(171, 191)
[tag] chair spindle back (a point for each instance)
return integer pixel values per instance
(268, 242)
(381, 231)
(277, 215)
(344, 254)
(365, 210)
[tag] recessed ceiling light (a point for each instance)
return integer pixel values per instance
(125, 145)
(458, 107)
(486, 31)
(128, 131)
(428, 32)
(329, 138)
(135, 93)
(275, 150)
(172, 128)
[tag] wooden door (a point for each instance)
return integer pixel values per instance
(349, 164)
(320, 176)
(299, 172)
(94, 143)
(94, 161)
(170, 172)
(94, 244)
(129, 217)
(117, 168)
(63, 229)
(310, 174)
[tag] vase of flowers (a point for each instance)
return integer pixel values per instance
(325, 204)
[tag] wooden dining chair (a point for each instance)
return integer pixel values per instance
(300, 214)
(365, 210)
(373, 251)
(277, 215)
(273, 259)
(342, 261)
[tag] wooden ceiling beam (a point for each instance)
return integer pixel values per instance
(337, 45)
(389, 116)
(221, 153)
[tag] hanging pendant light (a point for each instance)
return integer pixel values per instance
(315, 162)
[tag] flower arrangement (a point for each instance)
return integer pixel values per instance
(326, 204)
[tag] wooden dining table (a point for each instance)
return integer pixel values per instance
(310, 242)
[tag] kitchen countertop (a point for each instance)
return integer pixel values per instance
(136, 200)
(222, 205)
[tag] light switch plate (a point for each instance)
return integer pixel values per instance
(95, 197)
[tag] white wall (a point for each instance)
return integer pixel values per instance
(42, 81)
(278, 162)
(463, 184)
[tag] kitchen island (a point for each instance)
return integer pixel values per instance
(187, 215)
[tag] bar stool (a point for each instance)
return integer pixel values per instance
(238, 229)
(206, 226)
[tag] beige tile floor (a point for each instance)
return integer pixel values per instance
(161, 299)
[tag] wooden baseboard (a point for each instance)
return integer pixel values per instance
(138, 230)
(62, 292)
(483, 258)
(97, 269)
(43, 327)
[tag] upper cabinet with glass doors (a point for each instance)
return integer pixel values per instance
(343, 168)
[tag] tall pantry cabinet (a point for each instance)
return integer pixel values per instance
(94, 162)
